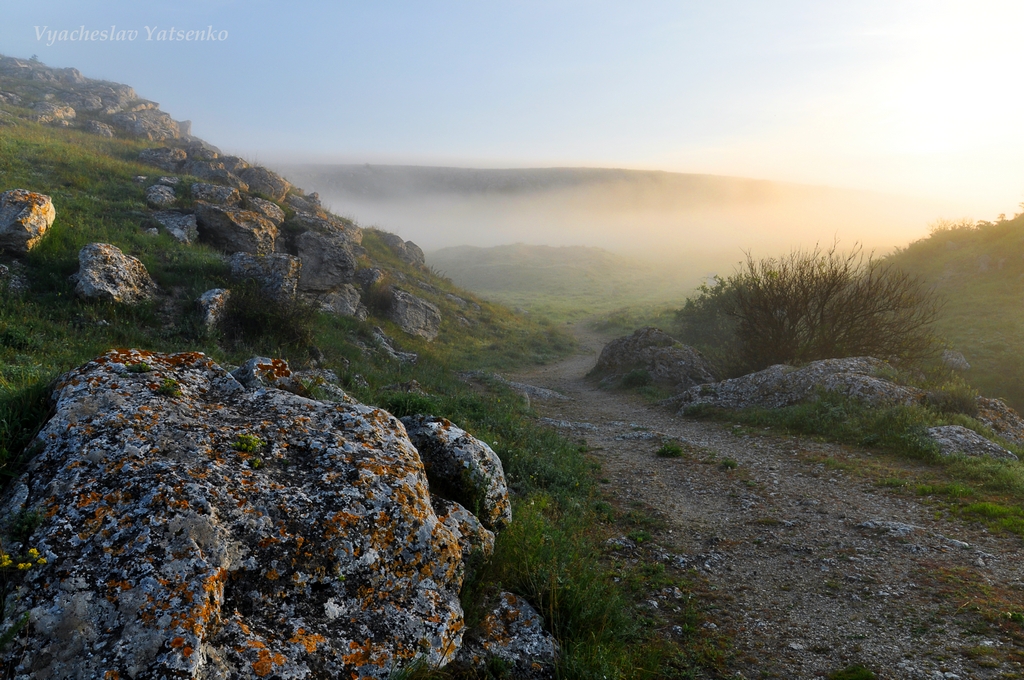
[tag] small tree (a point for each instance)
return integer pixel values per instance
(820, 305)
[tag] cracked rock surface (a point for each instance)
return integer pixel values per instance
(193, 528)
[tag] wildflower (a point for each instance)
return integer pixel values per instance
(24, 565)
(41, 560)
(33, 553)
(5, 560)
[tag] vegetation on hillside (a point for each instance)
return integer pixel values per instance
(550, 554)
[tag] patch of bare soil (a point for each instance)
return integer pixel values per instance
(814, 566)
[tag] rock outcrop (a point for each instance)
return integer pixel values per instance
(407, 251)
(1003, 420)
(276, 274)
(24, 218)
(344, 301)
(234, 230)
(160, 196)
(414, 315)
(105, 274)
(781, 385)
(956, 439)
(462, 468)
(327, 261)
(216, 194)
(192, 528)
(666, 361)
(263, 181)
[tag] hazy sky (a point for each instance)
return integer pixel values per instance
(922, 98)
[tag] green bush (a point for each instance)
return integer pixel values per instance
(670, 450)
(256, 322)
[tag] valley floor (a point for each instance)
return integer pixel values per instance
(809, 565)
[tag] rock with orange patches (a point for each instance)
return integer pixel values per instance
(170, 553)
(462, 468)
(24, 218)
(512, 632)
(105, 274)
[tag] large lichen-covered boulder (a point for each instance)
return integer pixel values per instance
(414, 315)
(216, 194)
(861, 378)
(327, 261)
(276, 274)
(24, 218)
(181, 226)
(1001, 419)
(512, 633)
(665, 359)
(160, 196)
(195, 529)
(462, 468)
(105, 274)
(234, 230)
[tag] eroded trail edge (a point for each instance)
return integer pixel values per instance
(814, 566)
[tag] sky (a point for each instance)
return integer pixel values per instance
(900, 96)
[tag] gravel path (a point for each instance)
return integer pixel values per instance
(814, 566)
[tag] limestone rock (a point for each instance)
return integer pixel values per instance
(151, 124)
(179, 225)
(216, 194)
(512, 632)
(305, 203)
(327, 261)
(105, 274)
(388, 347)
(462, 468)
(345, 301)
(24, 218)
(169, 180)
(954, 360)
(98, 128)
(214, 171)
(1003, 420)
(268, 209)
(233, 164)
(199, 150)
(160, 196)
(260, 372)
(473, 537)
(666, 360)
(164, 158)
(781, 385)
(954, 439)
(235, 230)
(206, 530)
(263, 181)
(48, 112)
(407, 251)
(212, 304)
(414, 315)
(324, 223)
(276, 274)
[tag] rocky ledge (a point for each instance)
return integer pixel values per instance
(194, 523)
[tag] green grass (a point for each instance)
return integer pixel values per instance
(670, 450)
(551, 554)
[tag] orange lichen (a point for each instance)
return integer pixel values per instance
(264, 665)
(307, 640)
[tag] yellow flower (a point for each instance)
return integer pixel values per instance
(41, 560)
(24, 565)
(33, 553)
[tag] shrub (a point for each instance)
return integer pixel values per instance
(811, 305)
(255, 320)
(954, 396)
(669, 450)
(380, 296)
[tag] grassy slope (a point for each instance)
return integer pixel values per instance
(564, 282)
(980, 272)
(551, 554)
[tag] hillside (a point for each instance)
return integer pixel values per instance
(979, 270)
(147, 229)
(567, 281)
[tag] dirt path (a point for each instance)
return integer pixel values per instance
(815, 566)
